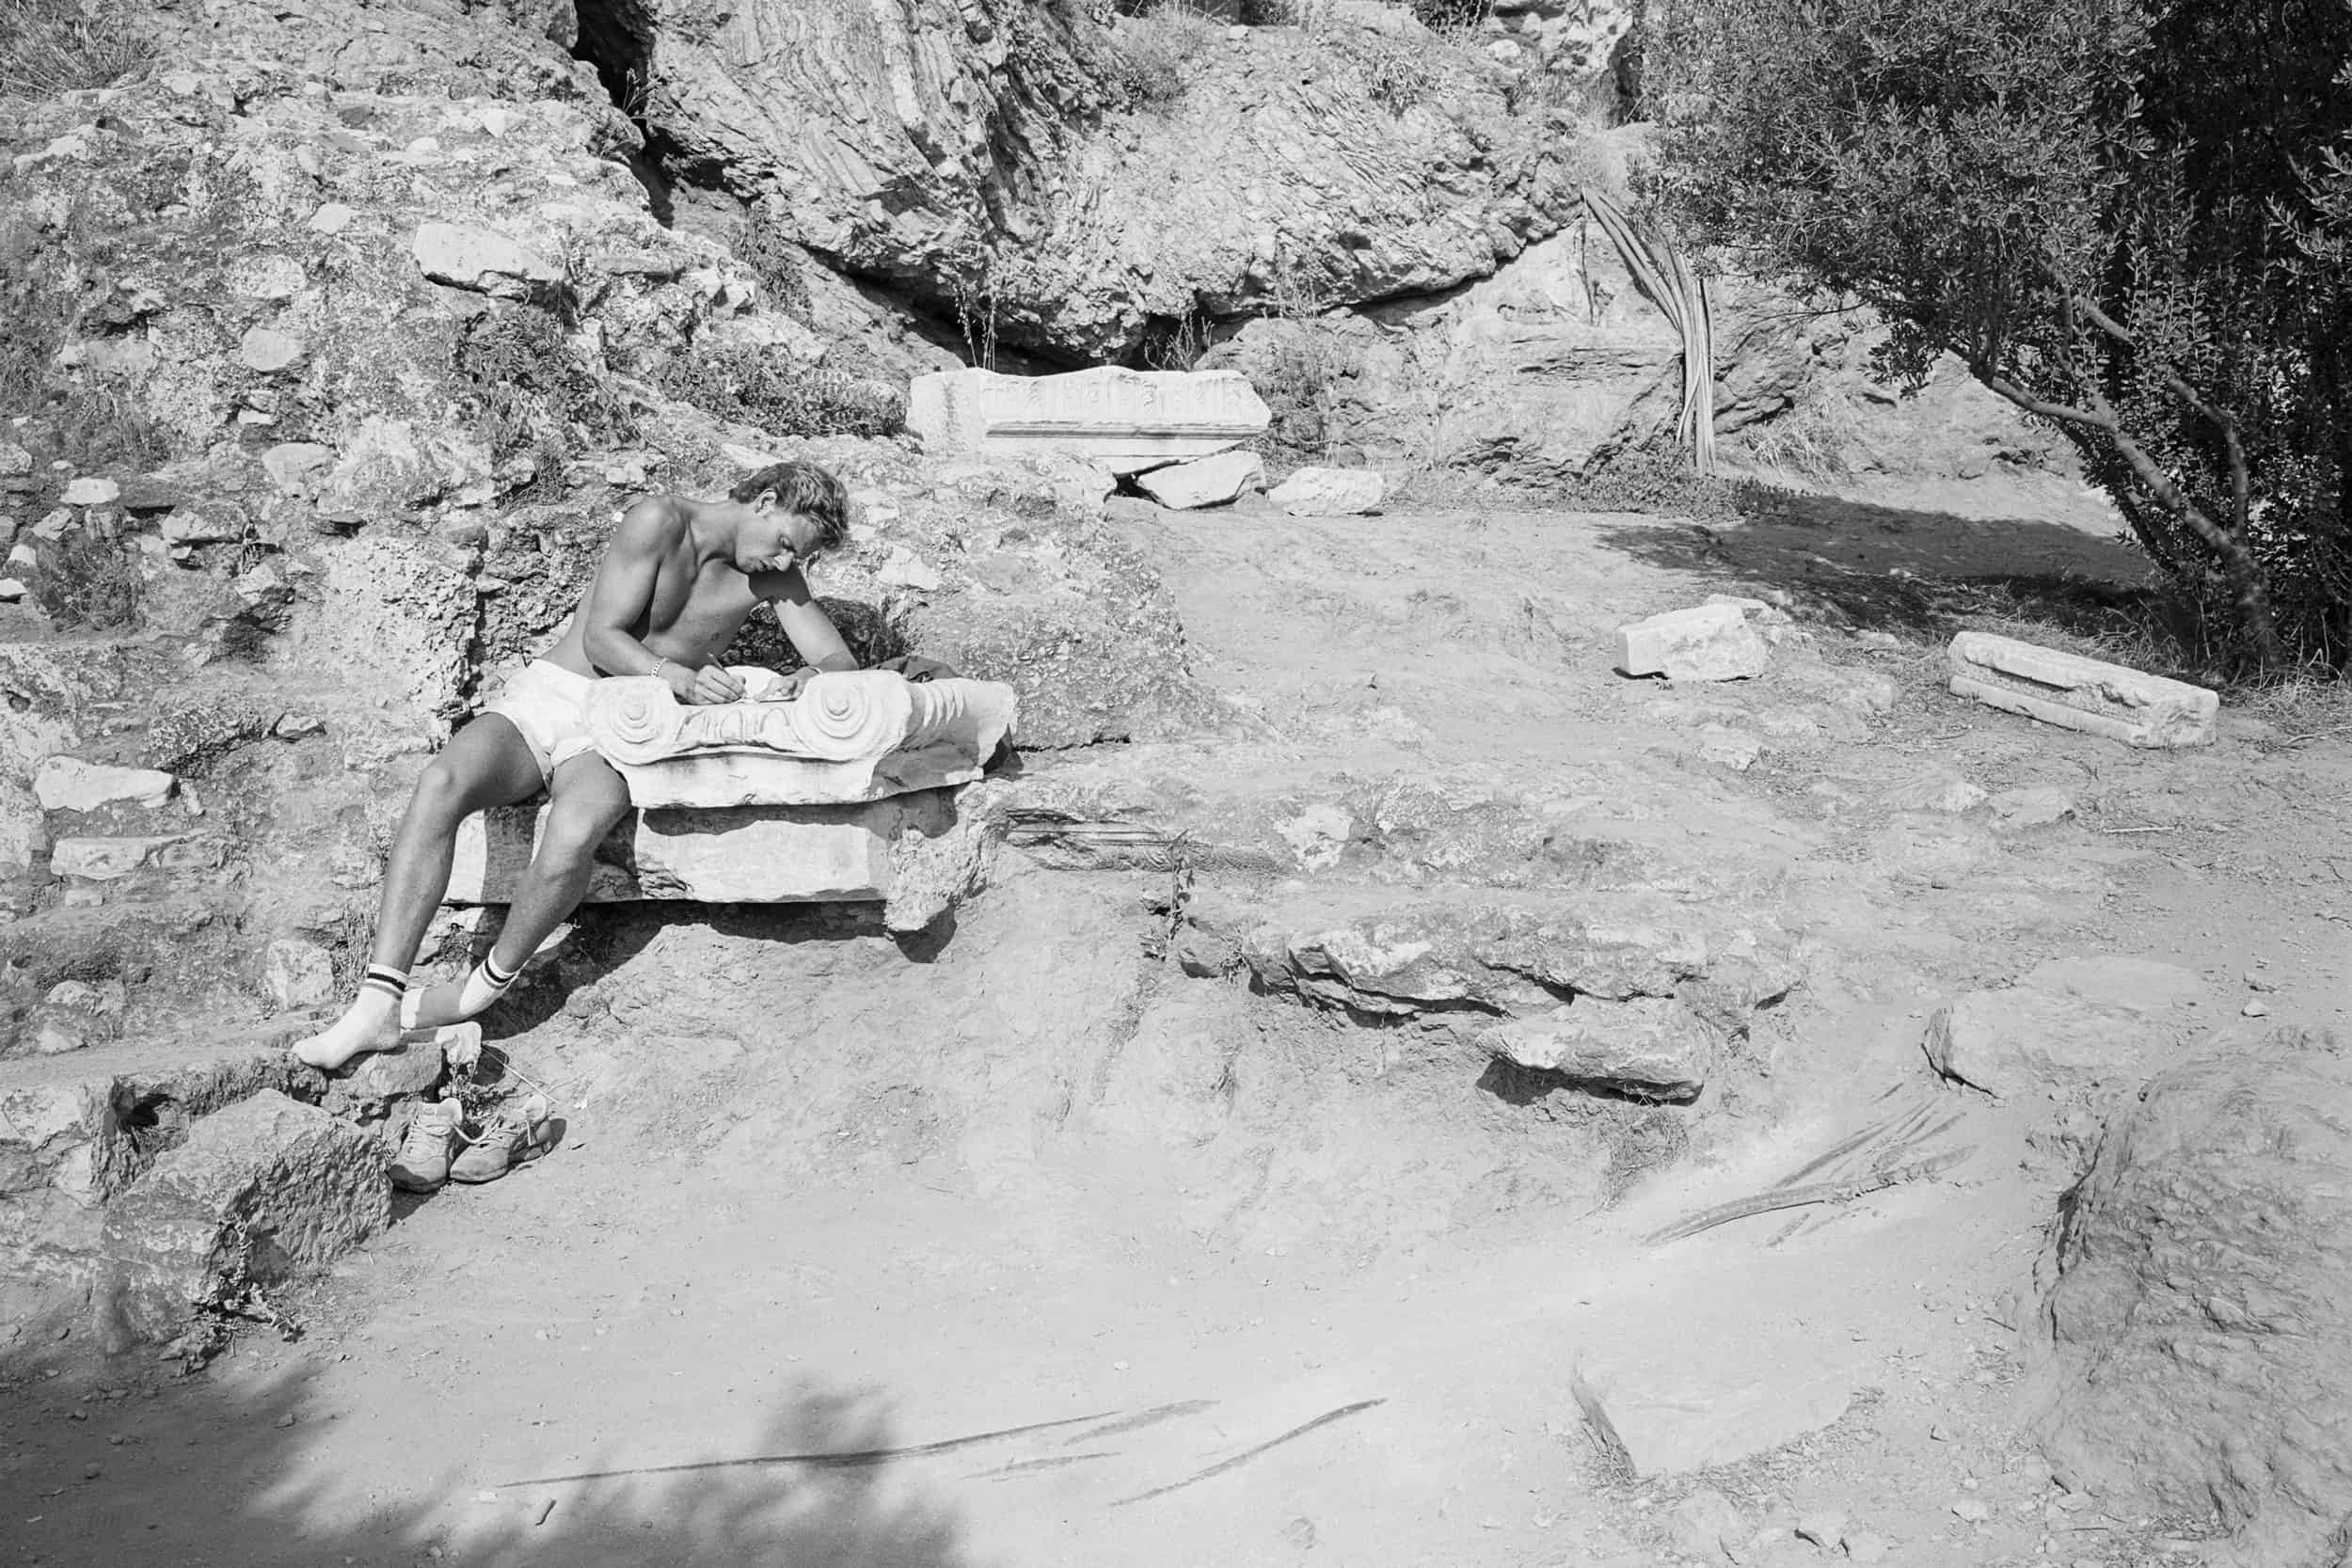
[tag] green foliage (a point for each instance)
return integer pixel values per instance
(1157, 52)
(526, 390)
(53, 46)
(1394, 74)
(765, 246)
(2127, 216)
(1300, 367)
(83, 580)
(764, 386)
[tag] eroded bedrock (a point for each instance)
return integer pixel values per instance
(2195, 1351)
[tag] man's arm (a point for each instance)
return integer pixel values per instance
(623, 592)
(812, 631)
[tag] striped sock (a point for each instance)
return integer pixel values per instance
(485, 984)
(386, 981)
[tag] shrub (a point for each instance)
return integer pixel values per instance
(764, 386)
(764, 245)
(528, 391)
(2128, 217)
(87, 582)
(1157, 52)
(53, 46)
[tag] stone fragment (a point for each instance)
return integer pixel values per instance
(91, 491)
(297, 972)
(409, 1068)
(1653, 1046)
(848, 737)
(296, 466)
(1707, 1525)
(211, 521)
(905, 569)
(1123, 420)
(1329, 491)
(266, 350)
(268, 274)
(24, 835)
(1866, 1547)
(1709, 643)
(2079, 693)
(1726, 747)
(67, 783)
(260, 1191)
(1204, 481)
(2014, 809)
(197, 731)
(2194, 1352)
(106, 860)
(931, 872)
(2068, 1023)
(15, 462)
(481, 260)
(1936, 790)
(332, 217)
(716, 855)
(1824, 1526)
(1667, 1421)
(11, 591)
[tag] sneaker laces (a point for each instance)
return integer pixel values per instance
(425, 1138)
(510, 1123)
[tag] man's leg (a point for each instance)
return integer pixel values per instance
(586, 799)
(488, 763)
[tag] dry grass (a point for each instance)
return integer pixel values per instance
(53, 46)
(1160, 50)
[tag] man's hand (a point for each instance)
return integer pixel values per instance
(713, 684)
(783, 688)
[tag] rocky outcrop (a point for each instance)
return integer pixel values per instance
(2195, 1350)
(258, 1193)
(1070, 190)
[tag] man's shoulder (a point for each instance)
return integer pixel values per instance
(661, 513)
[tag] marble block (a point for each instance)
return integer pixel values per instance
(1125, 420)
(2079, 693)
(775, 854)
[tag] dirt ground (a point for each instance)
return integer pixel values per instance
(686, 1338)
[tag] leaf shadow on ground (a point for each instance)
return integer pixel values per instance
(1918, 574)
(230, 1470)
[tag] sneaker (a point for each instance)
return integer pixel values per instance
(422, 1164)
(509, 1139)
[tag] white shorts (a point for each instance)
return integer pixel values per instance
(549, 704)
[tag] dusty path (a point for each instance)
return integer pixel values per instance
(1097, 1367)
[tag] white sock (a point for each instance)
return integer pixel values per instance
(373, 1023)
(485, 984)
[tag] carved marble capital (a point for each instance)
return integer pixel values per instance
(852, 736)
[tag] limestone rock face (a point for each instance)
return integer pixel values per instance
(2195, 1351)
(258, 1192)
(1005, 152)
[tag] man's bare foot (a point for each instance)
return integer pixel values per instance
(372, 1024)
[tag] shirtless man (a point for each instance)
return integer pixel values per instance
(677, 583)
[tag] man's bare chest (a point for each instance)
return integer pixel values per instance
(699, 602)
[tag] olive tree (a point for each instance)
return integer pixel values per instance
(2128, 217)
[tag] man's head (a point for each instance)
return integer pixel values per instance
(797, 512)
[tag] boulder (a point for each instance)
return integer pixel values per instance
(267, 351)
(2193, 1352)
(1329, 491)
(1123, 420)
(67, 783)
(482, 260)
(89, 491)
(260, 1191)
(1204, 481)
(1654, 1048)
(1709, 643)
(2071, 1023)
(107, 860)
